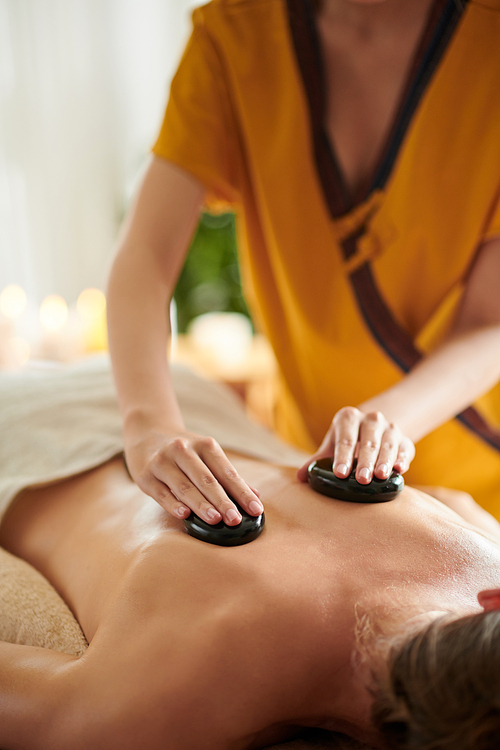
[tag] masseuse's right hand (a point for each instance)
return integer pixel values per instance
(186, 472)
(183, 472)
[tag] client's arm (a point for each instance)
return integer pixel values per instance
(33, 696)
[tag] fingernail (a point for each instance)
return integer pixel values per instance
(233, 515)
(383, 468)
(363, 473)
(214, 515)
(341, 469)
(182, 512)
(256, 507)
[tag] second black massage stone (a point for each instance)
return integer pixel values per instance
(226, 536)
(323, 480)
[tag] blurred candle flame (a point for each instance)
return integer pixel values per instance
(91, 304)
(13, 301)
(91, 307)
(53, 313)
(224, 336)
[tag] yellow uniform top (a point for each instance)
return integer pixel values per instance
(350, 290)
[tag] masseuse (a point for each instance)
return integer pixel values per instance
(359, 143)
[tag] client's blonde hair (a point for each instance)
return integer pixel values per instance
(441, 687)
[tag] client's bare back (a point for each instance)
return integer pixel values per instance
(257, 636)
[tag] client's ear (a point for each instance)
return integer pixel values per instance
(489, 599)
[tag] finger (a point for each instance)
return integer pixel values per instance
(370, 436)
(228, 478)
(302, 472)
(159, 492)
(388, 452)
(325, 450)
(406, 454)
(338, 443)
(346, 424)
(212, 476)
(187, 494)
(189, 481)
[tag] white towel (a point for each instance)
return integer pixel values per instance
(59, 421)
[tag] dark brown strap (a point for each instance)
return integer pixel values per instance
(442, 21)
(394, 340)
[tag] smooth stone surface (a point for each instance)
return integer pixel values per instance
(323, 480)
(226, 536)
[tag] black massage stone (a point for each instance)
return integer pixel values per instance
(226, 536)
(323, 480)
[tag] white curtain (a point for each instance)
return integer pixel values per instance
(83, 85)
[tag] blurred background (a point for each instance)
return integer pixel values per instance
(83, 87)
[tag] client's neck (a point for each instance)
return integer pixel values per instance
(375, 639)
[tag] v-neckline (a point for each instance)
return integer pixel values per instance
(441, 22)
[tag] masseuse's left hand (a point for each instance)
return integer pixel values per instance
(379, 446)
(464, 366)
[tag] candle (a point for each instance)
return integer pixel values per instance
(224, 337)
(13, 301)
(60, 339)
(91, 308)
(14, 350)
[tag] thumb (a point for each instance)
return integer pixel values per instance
(324, 451)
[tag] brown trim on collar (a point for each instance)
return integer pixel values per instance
(441, 23)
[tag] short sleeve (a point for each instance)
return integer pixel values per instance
(198, 132)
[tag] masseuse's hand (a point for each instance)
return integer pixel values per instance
(187, 472)
(378, 445)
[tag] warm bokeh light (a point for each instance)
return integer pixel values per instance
(91, 307)
(53, 313)
(22, 350)
(226, 337)
(13, 301)
(91, 304)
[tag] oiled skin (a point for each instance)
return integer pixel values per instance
(198, 646)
